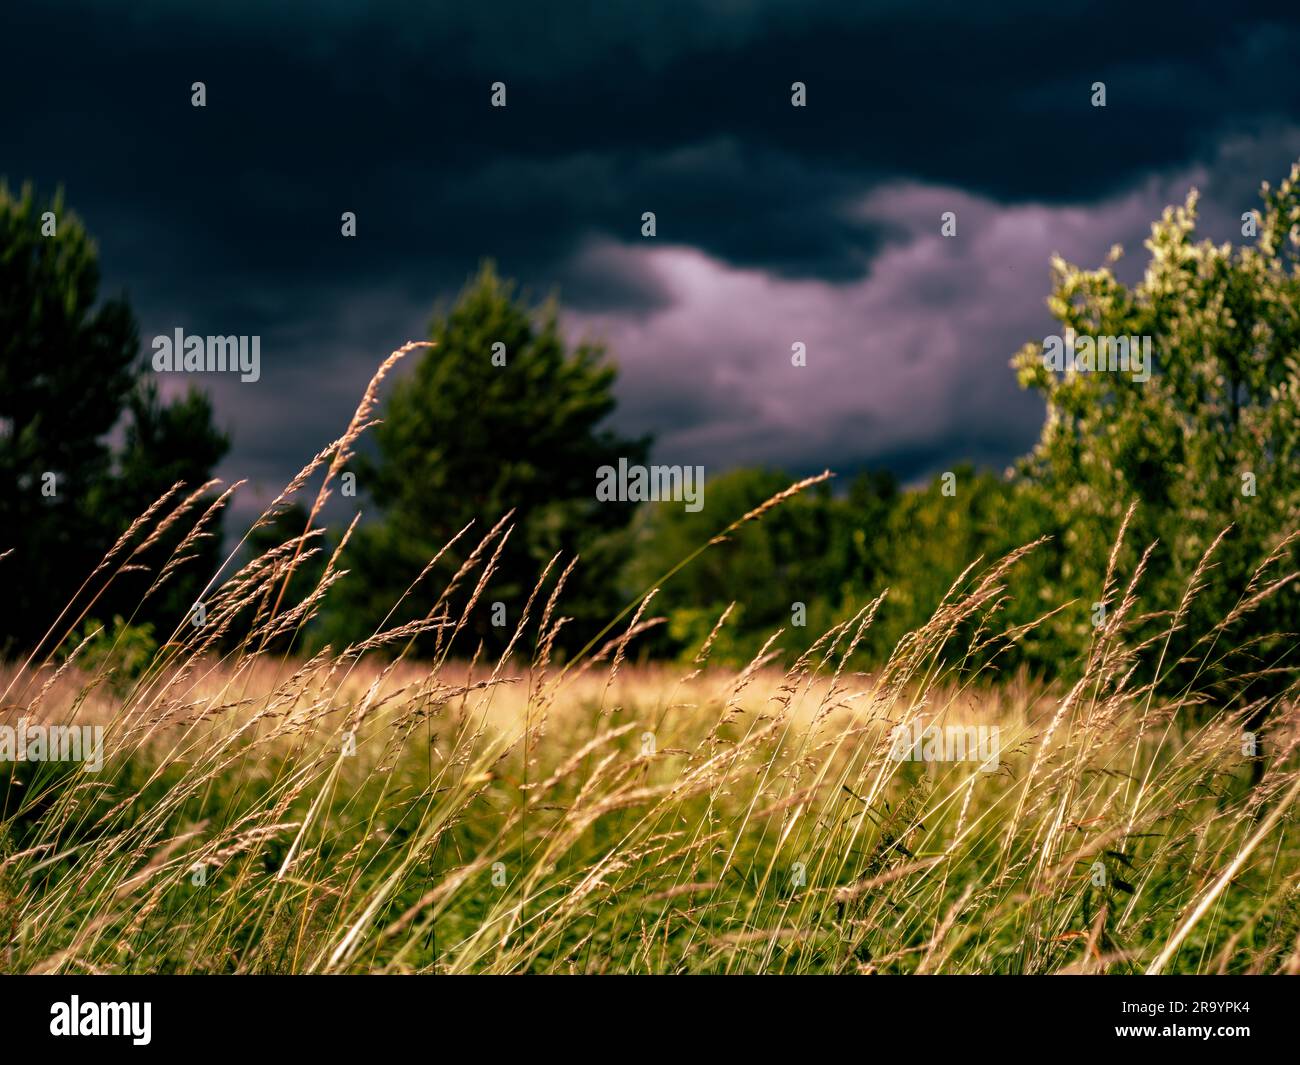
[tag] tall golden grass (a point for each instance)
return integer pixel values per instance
(361, 811)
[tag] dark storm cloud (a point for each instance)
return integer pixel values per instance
(384, 108)
(226, 219)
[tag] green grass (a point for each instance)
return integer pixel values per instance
(351, 813)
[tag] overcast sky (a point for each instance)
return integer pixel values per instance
(775, 224)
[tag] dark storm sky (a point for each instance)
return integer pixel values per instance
(775, 224)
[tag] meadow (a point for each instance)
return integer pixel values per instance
(363, 810)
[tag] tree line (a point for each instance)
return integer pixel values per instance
(504, 416)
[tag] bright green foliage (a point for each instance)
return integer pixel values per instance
(1223, 402)
(120, 650)
(819, 549)
(932, 538)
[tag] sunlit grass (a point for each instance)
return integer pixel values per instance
(362, 811)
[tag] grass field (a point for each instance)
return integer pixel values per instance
(337, 815)
(363, 811)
